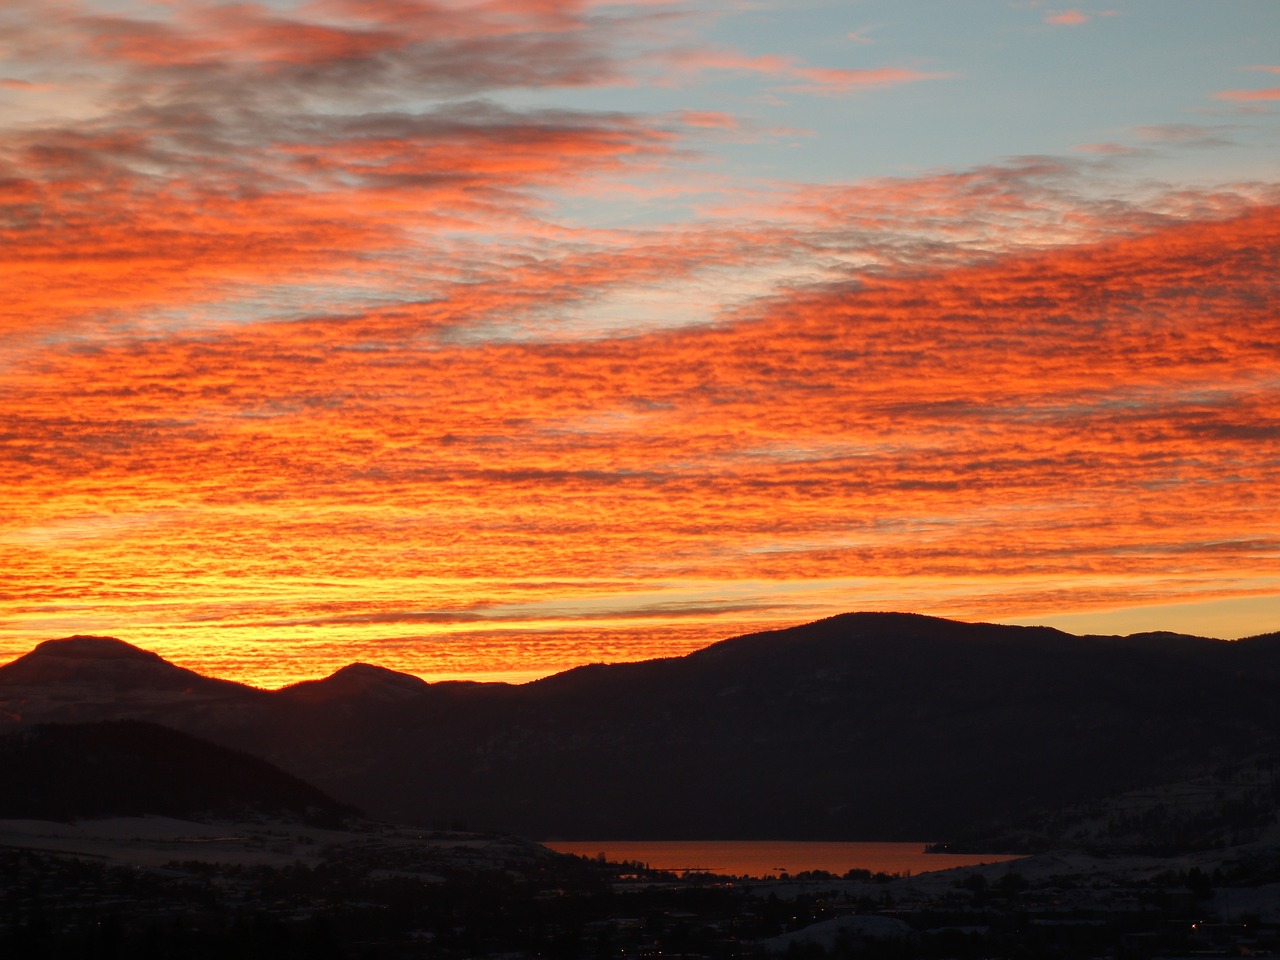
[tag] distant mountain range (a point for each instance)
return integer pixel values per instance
(862, 726)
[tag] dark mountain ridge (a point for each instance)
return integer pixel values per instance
(105, 664)
(91, 671)
(862, 726)
(133, 768)
(356, 681)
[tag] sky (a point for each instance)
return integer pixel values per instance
(485, 338)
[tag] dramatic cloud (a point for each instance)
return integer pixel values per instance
(487, 338)
(891, 428)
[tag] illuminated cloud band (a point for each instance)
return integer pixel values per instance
(310, 356)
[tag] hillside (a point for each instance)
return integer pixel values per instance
(863, 726)
(132, 768)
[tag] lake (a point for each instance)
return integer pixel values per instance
(759, 858)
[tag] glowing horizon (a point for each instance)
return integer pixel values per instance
(484, 339)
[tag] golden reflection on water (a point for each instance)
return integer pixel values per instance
(760, 858)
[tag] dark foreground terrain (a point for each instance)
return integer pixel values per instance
(1155, 758)
(161, 888)
(168, 846)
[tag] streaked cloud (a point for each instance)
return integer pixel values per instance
(1066, 18)
(1253, 95)
(488, 344)
(827, 80)
(1250, 96)
(1108, 148)
(932, 408)
(797, 76)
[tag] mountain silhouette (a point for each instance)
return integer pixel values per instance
(133, 768)
(357, 681)
(861, 726)
(102, 670)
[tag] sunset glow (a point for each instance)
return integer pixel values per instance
(485, 339)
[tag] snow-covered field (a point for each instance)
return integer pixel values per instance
(155, 841)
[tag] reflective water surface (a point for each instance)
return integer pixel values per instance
(759, 858)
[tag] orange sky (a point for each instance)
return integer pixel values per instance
(316, 348)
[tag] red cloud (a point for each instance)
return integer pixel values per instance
(290, 342)
(1067, 18)
(339, 48)
(204, 236)
(1086, 412)
(799, 76)
(1249, 96)
(822, 80)
(708, 118)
